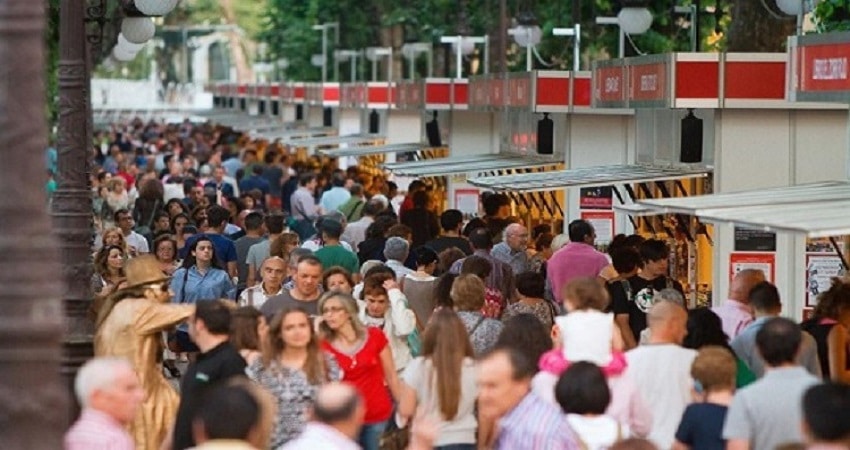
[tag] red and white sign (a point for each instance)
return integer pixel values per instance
(603, 224)
(609, 86)
(823, 68)
(519, 91)
(438, 93)
(766, 262)
(648, 83)
(466, 201)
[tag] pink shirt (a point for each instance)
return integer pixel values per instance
(575, 260)
(735, 316)
(96, 430)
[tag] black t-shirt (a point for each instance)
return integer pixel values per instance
(445, 242)
(701, 427)
(634, 297)
(217, 365)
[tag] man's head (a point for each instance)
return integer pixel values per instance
(308, 275)
(778, 341)
(826, 409)
(109, 385)
(504, 379)
(331, 230)
(667, 322)
(218, 217)
(273, 271)
(714, 368)
(415, 186)
(338, 179)
(227, 412)
(653, 255)
(396, 248)
(743, 282)
(372, 208)
(356, 190)
(340, 406)
(218, 174)
(581, 231)
(254, 222)
(516, 237)
(124, 220)
(480, 239)
(496, 205)
(451, 220)
(196, 193)
(274, 223)
(764, 299)
(307, 180)
(210, 322)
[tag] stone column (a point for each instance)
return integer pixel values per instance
(32, 397)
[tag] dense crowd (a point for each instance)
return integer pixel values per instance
(302, 306)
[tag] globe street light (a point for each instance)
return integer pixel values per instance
(465, 45)
(411, 50)
(527, 36)
(374, 54)
(324, 29)
(348, 55)
(575, 32)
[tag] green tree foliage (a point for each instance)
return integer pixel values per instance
(832, 15)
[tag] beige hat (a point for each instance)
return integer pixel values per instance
(143, 270)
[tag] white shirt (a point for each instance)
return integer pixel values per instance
(255, 296)
(662, 373)
(313, 245)
(320, 436)
(355, 232)
(138, 241)
(597, 433)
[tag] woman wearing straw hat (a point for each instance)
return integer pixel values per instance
(130, 325)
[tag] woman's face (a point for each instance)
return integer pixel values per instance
(115, 260)
(295, 330)
(112, 238)
(334, 314)
(203, 251)
(377, 305)
(165, 252)
(179, 223)
(162, 223)
(338, 282)
(248, 202)
(174, 209)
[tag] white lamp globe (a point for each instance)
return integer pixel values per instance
(123, 54)
(467, 46)
(138, 30)
(634, 20)
(793, 7)
(124, 44)
(527, 35)
(155, 7)
(317, 60)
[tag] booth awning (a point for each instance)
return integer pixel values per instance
(586, 177)
(288, 134)
(373, 150)
(353, 139)
(467, 164)
(816, 210)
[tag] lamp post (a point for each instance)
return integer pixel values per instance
(527, 35)
(575, 32)
(465, 45)
(693, 16)
(351, 56)
(374, 54)
(630, 20)
(797, 8)
(622, 36)
(411, 50)
(324, 29)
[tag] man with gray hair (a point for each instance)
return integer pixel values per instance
(337, 418)
(668, 295)
(512, 249)
(396, 250)
(110, 394)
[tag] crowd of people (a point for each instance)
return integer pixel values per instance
(301, 306)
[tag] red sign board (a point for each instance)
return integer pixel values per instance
(480, 92)
(552, 91)
(438, 93)
(824, 68)
(380, 94)
(497, 92)
(460, 95)
(648, 82)
(519, 92)
(609, 85)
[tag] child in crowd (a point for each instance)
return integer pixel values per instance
(701, 427)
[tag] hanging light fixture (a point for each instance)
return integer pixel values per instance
(527, 33)
(155, 7)
(634, 17)
(138, 30)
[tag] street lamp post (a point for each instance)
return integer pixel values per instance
(465, 45)
(527, 36)
(621, 46)
(374, 54)
(324, 29)
(411, 50)
(351, 56)
(575, 32)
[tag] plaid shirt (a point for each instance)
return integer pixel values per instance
(535, 424)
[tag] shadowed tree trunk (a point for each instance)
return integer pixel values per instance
(237, 53)
(754, 29)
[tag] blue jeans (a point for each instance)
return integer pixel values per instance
(370, 435)
(456, 447)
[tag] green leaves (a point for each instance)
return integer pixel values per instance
(832, 15)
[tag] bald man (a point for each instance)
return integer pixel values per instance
(735, 313)
(273, 271)
(337, 418)
(662, 370)
(512, 249)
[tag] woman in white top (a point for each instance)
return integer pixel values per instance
(582, 391)
(442, 381)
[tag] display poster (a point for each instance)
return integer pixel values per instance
(820, 269)
(749, 240)
(603, 224)
(466, 201)
(599, 197)
(766, 262)
(808, 313)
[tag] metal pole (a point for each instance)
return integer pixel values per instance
(185, 54)
(529, 64)
(411, 61)
(486, 54)
(459, 57)
(430, 62)
(354, 68)
(375, 69)
(577, 48)
(390, 66)
(621, 51)
(336, 46)
(324, 53)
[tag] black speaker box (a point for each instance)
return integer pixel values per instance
(545, 136)
(690, 150)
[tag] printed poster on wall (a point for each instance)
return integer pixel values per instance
(603, 224)
(466, 201)
(766, 262)
(599, 197)
(820, 269)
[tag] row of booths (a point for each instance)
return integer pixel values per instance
(736, 160)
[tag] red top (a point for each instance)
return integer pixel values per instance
(406, 205)
(365, 372)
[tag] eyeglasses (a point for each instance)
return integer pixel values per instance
(332, 309)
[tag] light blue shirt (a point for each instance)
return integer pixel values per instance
(333, 198)
(213, 285)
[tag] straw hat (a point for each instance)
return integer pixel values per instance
(143, 270)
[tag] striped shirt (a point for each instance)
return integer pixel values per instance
(535, 424)
(96, 430)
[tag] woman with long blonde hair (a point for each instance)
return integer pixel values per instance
(443, 381)
(292, 367)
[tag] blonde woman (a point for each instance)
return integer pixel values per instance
(366, 361)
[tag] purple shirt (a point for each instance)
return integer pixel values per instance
(735, 316)
(575, 260)
(535, 424)
(95, 430)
